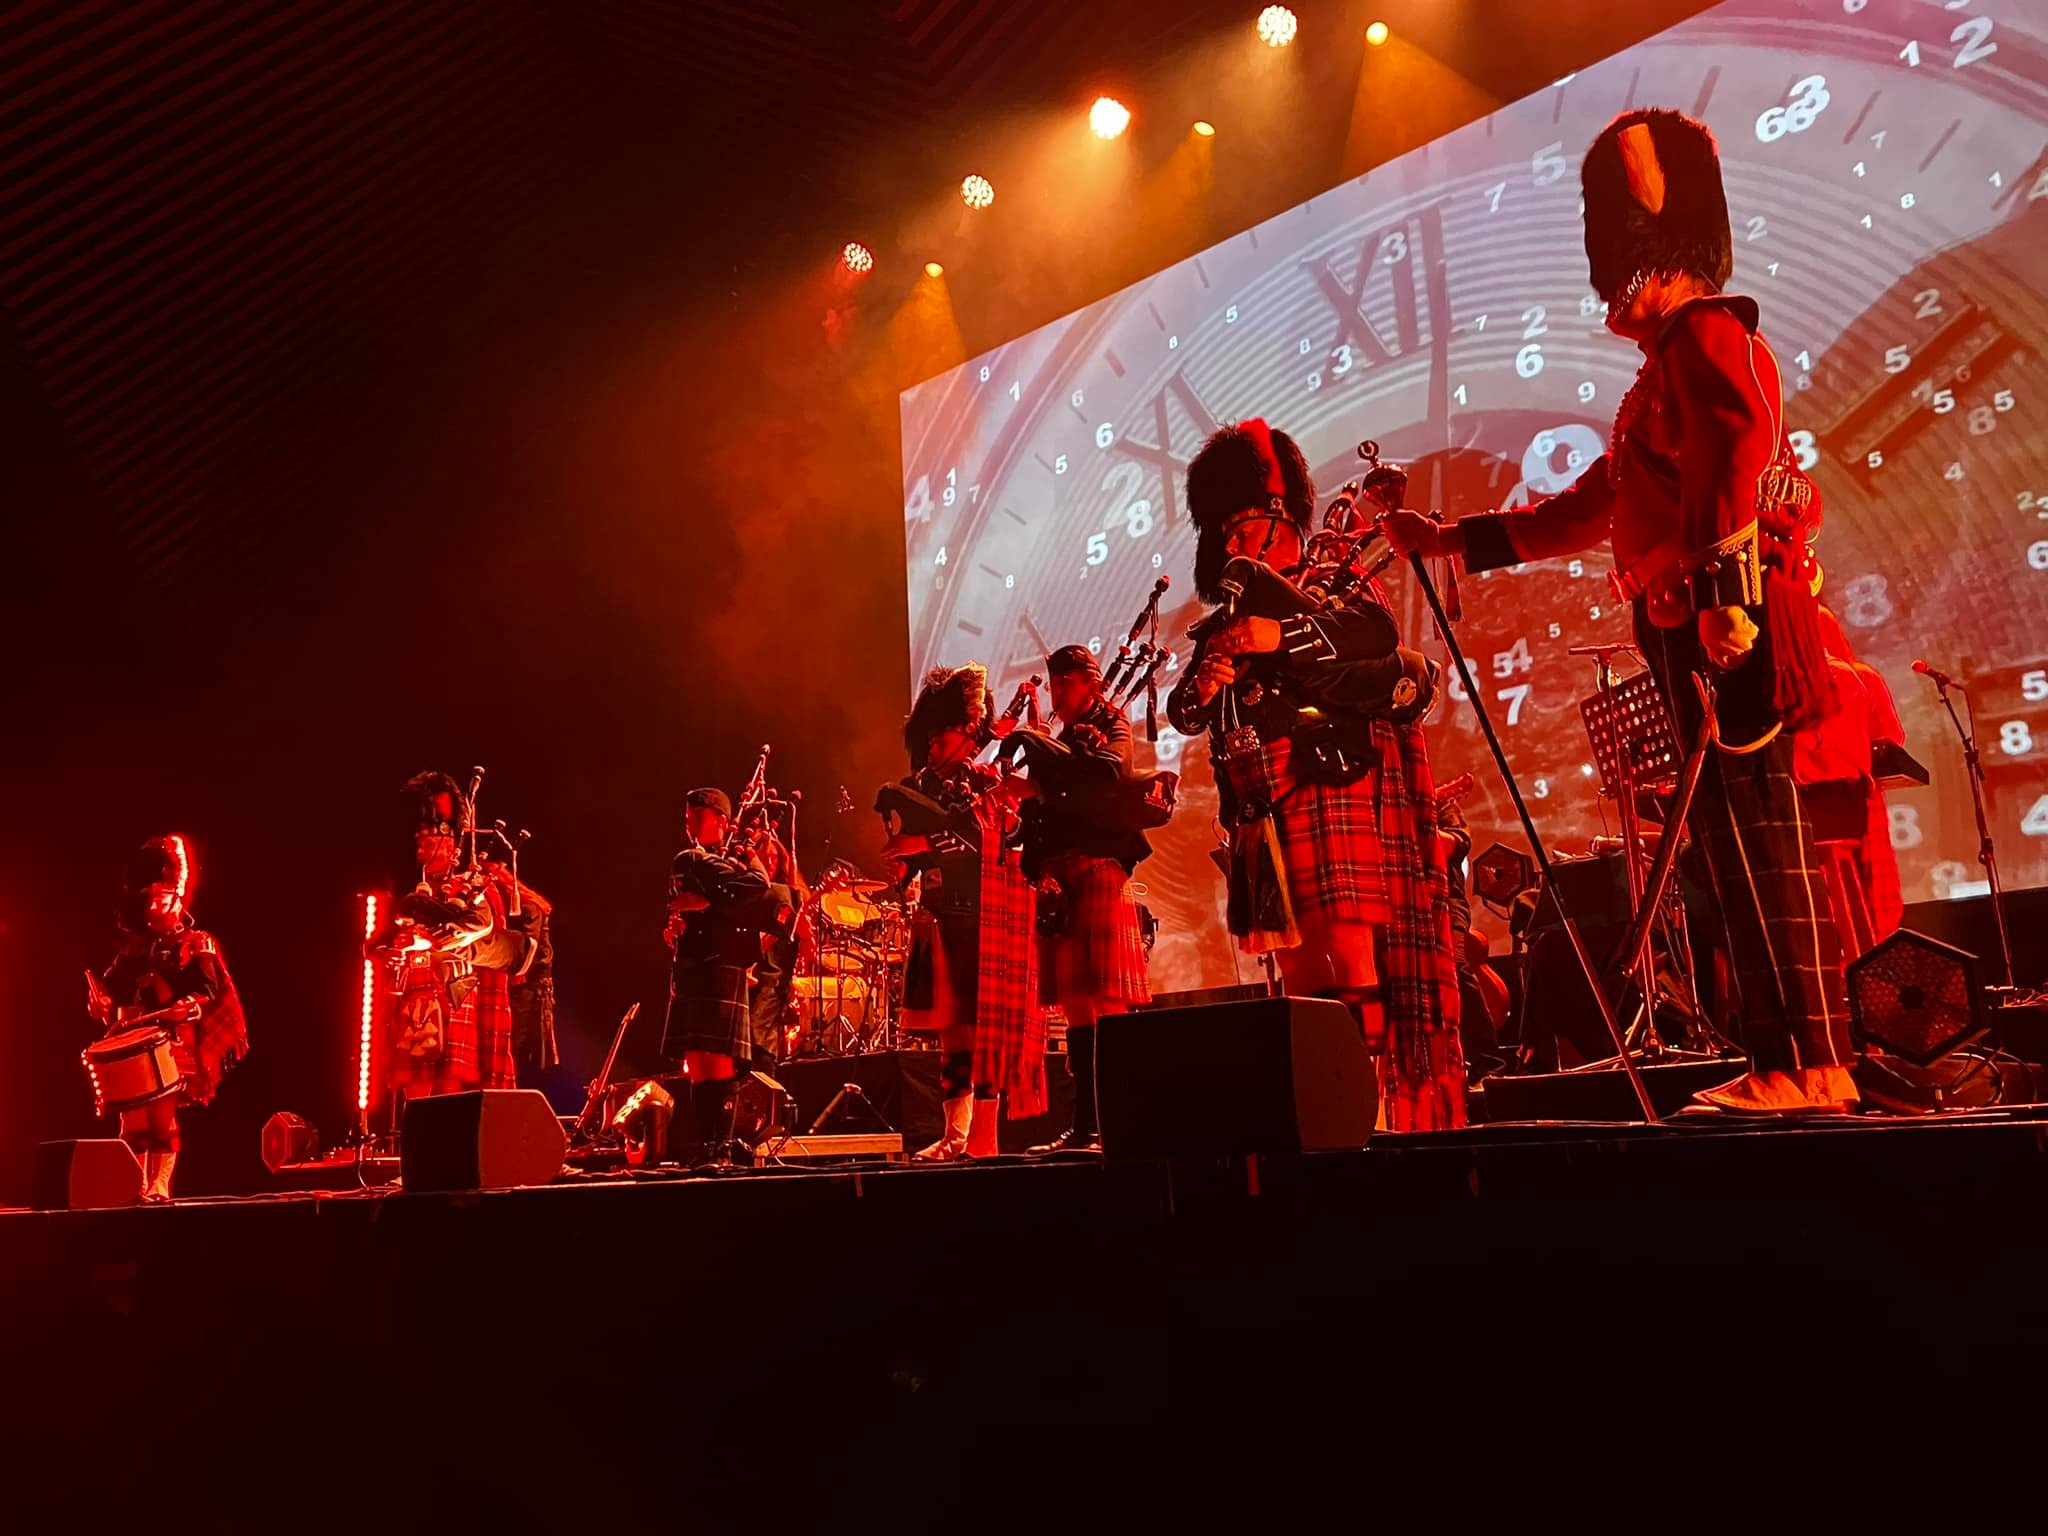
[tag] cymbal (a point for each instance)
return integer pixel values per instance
(872, 888)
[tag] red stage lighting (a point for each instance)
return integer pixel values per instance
(858, 259)
(369, 1019)
(977, 192)
(1277, 26)
(1376, 33)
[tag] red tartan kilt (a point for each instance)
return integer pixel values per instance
(492, 1004)
(476, 1038)
(1329, 844)
(1101, 952)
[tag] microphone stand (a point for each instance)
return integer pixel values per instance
(1507, 774)
(1987, 854)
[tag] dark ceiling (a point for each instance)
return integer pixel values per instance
(217, 218)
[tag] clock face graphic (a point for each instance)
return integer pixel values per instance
(1888, 187)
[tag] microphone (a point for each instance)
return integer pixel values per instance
(1941, 679)
(1152, 601)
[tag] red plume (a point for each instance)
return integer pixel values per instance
(1262, 438)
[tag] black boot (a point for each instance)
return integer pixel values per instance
(717, 1107)
(1083, 1135)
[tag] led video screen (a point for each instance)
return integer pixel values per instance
(1887, 172)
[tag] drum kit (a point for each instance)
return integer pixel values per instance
(846, 1001)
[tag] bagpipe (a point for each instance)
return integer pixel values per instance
(1143, 800)
(1393, 683)
(941, 805)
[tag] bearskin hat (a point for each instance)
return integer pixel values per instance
(160, 861)
(423, 788)
(1241, 467)
(951, 696)
(1654, 202)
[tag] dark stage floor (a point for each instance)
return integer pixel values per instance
(1506, 1318)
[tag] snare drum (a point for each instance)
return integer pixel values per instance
(131, 1068)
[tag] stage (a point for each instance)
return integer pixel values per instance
(1533, 1308)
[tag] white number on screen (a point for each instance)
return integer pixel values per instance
(1972, 34)
(1905, 828)
(1808, 99)
(1803, 448)
(1547, 165)
(2014, 739)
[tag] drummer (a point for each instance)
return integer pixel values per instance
(171, 970)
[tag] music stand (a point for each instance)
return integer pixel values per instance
(1635, 748)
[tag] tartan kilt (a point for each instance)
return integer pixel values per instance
(1329, 840)
(491, 1002)
(707, 1011)
(1752, 835)
(942, 974)
(457, 1066)
(1101, 952)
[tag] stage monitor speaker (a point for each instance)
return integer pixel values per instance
(85, 1176)
(288, 1139)
(1915, 997)
(490, 1139)
(1270, 1075)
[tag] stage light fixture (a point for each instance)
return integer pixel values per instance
(977, 192)
(858, 259)
(933, 269)
(288, 1139)
(1916, 997)
(1204, 129)
(369, 1019)
(1501, 874)
(1376, 33)
(1277, 26)
(1108, 117)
